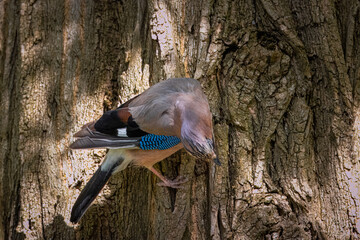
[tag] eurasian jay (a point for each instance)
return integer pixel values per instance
(146, 129)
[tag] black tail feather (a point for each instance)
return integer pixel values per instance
(91, 190)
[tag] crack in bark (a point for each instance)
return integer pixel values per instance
(41, 205)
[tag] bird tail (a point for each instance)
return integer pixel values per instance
(113, 163)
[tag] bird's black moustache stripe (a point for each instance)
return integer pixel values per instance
(210, 143)
(195, 148)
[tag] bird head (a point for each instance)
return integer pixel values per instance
(197, 130)
(199, 146)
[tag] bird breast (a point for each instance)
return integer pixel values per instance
(148, 158)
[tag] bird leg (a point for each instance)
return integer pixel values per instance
(167, 182)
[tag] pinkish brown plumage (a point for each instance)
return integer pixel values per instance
(143, 131)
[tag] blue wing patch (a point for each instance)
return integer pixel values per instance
(159, 142)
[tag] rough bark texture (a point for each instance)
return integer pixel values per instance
(283, 82)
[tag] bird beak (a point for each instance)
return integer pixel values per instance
(216, 161)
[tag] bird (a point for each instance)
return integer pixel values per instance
(170, 115)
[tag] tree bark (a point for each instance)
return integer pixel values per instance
(282, 78)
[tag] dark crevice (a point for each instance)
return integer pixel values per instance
(10, 180)
(267, 40)
(41, 205)
(231, 169)
(209, 189)
(38, 174)
(172, 195)
(186, 234)
(222, 229)
(230, 48)
(17, 208)
(295, 207)
(173, 172)
(272, 165)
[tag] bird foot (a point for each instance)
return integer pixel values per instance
(176, 183)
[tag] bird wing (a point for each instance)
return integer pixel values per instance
(115, 129)
(154, 110)
(88, 138)
(151, 112)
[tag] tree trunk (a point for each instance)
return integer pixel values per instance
(282, 79)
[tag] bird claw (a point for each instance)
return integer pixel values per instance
(176, 183)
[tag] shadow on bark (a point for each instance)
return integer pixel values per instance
(58, 229)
